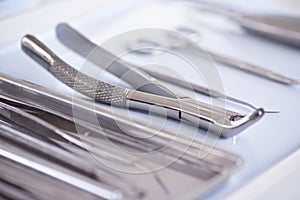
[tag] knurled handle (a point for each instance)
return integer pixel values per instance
(98, 90)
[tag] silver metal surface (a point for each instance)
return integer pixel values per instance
(137, 77)
(101, 91)
(104, 59)
(197, 88)
(34, 96)
(52, 169)
(280, 28)
(65, 158)
(26, 183)
(90, 137)
(214, 168)
(253, 69)
(70, 160)
(202, 117)
(284, 29)
(196, 113)
(170, 42)
(94, 144)
(41, 127)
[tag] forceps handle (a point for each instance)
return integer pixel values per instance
(41, 54)
(103, 92)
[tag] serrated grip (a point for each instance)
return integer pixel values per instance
(98, 90)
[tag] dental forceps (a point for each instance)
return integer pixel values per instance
(228, 123)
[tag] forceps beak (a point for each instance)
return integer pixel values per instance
(217, 122)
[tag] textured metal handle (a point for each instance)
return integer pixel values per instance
(98, 90)
(110, 62)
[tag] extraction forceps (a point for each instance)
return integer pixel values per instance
(228, 123)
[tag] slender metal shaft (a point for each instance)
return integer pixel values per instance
(232, 62)
(253, 69)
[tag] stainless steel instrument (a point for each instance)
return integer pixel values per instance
(171, 43)
(28, 144)
(32, 128)
(54, 170)
(43, 128)
(285, 29)
(83, 46)
(180, 108)
(23, 95)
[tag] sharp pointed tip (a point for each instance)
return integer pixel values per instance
(272, 111)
